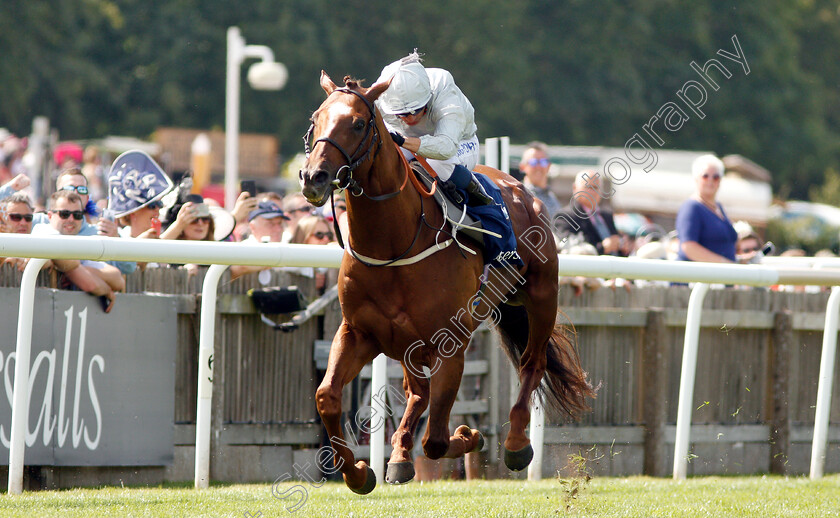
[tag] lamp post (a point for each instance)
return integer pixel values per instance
(265, 75)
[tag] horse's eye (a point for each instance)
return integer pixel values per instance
(359, 125)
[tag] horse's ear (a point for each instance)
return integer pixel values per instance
(327, 83)
(376, 90)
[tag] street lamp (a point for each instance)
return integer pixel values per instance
(265, 75)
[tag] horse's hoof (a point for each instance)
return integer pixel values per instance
(519, 460)
(399, 472)
(370, 483)
(480, 445)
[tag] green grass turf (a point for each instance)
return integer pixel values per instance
(759, 496)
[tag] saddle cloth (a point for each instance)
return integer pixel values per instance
(488, 225)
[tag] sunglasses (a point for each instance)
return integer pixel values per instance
(322, 235)
(14, 216)
(302, 209)
(411, 113)
(712, 176)
(155, 205)
(542, 162)
(203, 219)
(65, 214)
(81, 189)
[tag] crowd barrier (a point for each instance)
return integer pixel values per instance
(222, 254)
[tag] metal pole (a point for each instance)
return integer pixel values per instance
(378, 383)
(689, 370)
(829, 351)
(20, 405)
(491, 152)
(504, 154)
(204, 404)
(235, 45)
(537, 439)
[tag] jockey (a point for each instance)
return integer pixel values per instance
(426, 113)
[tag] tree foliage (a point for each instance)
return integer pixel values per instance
(567, 72)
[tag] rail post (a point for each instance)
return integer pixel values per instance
(829, 351)
(537, 439)
(207, 333)
(378, 384)
(689, 370)
(20, 407)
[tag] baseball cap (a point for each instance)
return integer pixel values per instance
(267, 209)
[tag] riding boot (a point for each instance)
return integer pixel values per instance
(451, 191)
(478, 196)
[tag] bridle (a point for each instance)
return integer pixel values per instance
(347, 182)
(344, 176)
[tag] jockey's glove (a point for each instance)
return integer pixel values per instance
(396, 137)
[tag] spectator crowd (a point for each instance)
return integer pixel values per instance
(135, 199)
(702, 232)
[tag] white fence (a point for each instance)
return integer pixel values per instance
(220, 255)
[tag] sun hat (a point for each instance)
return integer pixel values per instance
(135, 180)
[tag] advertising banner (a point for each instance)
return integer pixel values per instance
(101, 386)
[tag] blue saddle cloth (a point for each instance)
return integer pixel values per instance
(495, 218)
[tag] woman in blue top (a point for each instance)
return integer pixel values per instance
(705, 233)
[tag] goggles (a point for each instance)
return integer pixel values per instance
(412, 113)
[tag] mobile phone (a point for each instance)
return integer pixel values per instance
(155, 224)
(248, 186)
(769, 248)
(108, 214)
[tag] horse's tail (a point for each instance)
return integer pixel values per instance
(564, 386)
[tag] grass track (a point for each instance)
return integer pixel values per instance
(646, 497)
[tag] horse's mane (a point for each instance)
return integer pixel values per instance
(353, 84)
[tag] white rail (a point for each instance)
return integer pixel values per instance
(102, 248)
(220, 255)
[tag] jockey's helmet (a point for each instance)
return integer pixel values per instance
(410, 89)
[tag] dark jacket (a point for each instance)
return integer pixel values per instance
(573, 219)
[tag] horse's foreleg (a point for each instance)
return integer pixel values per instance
(348, 354)
(400, 465)
(437, 442)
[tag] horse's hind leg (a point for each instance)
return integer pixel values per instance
(541, 305)
(349, 353)
(445, 383)
(400, 465)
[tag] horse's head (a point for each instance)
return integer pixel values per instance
(344, 136)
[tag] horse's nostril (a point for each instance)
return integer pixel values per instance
(300, 174)
(320, 177)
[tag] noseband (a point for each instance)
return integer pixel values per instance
(346, 181)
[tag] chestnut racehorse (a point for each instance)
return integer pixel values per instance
(421, 309)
